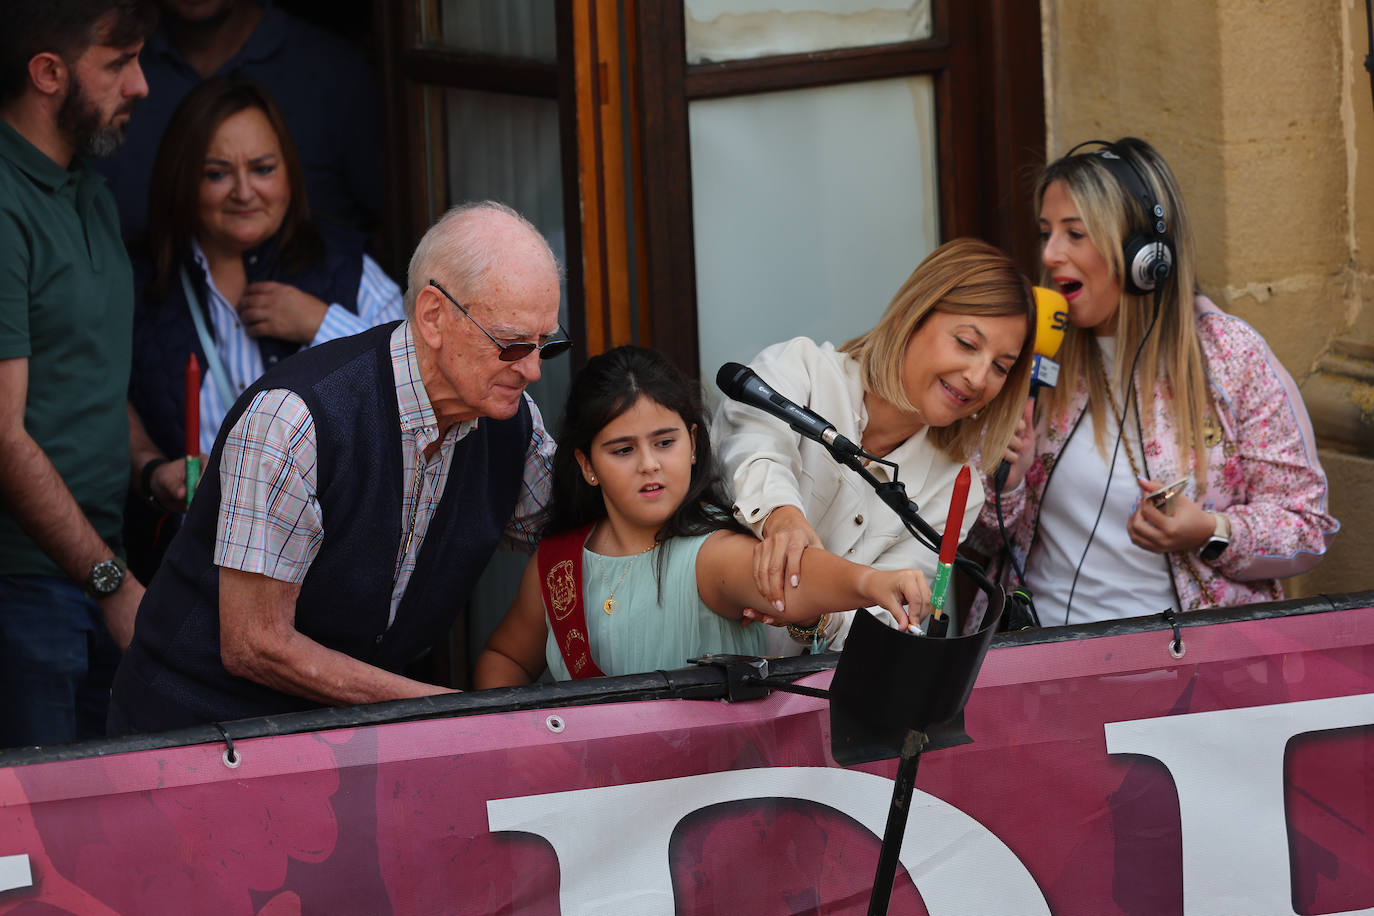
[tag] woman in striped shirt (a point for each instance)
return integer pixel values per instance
(234, 272)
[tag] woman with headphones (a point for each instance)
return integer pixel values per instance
(1174, 464)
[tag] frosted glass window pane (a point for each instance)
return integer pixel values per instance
(810, 208)
(513, 28)
(506, 148)
(735, 29)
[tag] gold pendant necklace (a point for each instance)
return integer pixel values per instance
(609, 604)
(414, 514)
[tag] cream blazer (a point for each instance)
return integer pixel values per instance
(766, 465)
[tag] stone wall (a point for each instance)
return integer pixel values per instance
(1263, 110)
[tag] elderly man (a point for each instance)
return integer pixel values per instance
(69, 81)
(355, 494)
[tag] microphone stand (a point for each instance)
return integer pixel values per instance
(954, 661)
(893, 495)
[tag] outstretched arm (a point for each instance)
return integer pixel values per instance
(725, 579)
(515, 653)
(259, 641)
(269, 530)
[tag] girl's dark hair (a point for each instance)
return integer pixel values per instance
(174, 194)
(605, 388)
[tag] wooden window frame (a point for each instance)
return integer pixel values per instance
(404, 67)
(984, 57)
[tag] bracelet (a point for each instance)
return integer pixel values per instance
(145, 479)
(809, 633)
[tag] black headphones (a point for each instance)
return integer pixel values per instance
(1148, 256)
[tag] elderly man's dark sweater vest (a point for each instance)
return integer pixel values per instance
(173, 676)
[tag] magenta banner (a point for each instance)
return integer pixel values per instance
(1105, 776)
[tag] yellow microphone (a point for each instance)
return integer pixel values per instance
(1051, 318)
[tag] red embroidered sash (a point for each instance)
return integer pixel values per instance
(560, 583)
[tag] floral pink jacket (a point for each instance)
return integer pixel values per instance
(1263, 474)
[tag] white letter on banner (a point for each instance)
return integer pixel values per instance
(15, 873)
(625, 869)
(1228, 768)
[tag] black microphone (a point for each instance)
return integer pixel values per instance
(740, 383)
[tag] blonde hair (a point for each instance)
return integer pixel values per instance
(962, 277)
(1172, 351)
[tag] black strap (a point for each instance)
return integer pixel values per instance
(145, 479)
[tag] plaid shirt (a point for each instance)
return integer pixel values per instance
(269, 515)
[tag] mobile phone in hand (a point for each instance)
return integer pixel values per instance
(1164, 496)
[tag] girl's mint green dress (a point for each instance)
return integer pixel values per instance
(644, 633)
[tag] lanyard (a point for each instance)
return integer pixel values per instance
(207, 344)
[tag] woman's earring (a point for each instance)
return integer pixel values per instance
(694, 457)
(591, 479)
(974, 415)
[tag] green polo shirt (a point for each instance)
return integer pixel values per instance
(66, 304)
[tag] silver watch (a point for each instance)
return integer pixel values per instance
(1216, 544)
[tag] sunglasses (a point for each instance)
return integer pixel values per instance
(515, 351)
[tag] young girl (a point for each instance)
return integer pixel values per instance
(642, 566)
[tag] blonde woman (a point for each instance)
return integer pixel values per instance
(1157, 385)
(947, 365)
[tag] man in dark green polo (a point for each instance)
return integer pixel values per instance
(69, 79)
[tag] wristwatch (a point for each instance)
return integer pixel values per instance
(105, 578)
(1219, 541)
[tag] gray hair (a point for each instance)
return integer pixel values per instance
(457, 247)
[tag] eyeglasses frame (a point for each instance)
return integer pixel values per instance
(562, 344)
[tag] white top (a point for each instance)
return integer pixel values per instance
(1116, 578)
(766, 465)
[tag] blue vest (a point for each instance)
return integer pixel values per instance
(164, 333)
(172, 675)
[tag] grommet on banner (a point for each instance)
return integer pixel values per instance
(1176, 648)
(555, 724)
(231, 757)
